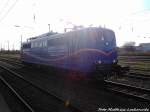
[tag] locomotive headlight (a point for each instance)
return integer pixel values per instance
(99, 62)
(107, 43)
(114, 61)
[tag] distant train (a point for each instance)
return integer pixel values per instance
(79, 50)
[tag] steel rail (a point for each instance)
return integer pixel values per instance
(128, 87)
(18, 96)
(11, 61)
(61, 99)
(137, 75)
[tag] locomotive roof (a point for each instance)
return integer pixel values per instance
(54, 34)
(43, 35)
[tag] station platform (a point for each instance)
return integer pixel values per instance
(3, 105)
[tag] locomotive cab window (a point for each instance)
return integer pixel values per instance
(26, 45)
(39, 44)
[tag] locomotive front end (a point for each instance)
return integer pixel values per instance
(106, 58)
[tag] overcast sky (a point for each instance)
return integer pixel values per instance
(130, 19)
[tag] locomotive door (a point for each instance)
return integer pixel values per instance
(72, 50)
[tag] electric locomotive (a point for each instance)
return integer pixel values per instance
(83, 50)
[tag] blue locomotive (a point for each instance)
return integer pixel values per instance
(79, 50)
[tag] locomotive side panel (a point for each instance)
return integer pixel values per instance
(77, 50)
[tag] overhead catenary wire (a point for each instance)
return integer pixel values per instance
(5, 5)
(12, 6)
(126, 19)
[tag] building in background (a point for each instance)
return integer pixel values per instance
(144, 47)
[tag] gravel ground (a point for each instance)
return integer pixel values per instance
(89, 97)
(14, 104)
(39, 100)
(86, 96)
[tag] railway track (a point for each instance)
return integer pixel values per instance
(24, 105)
(137, 75)
(137, 63)
(132, 84)
(146, 58)
(30, 94)
(135, 92)
(13, 61)
(81, 89)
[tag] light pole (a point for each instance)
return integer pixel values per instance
(13, 49)
(8, 45)
(49, 27)
(1, 47)
(20, 36)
